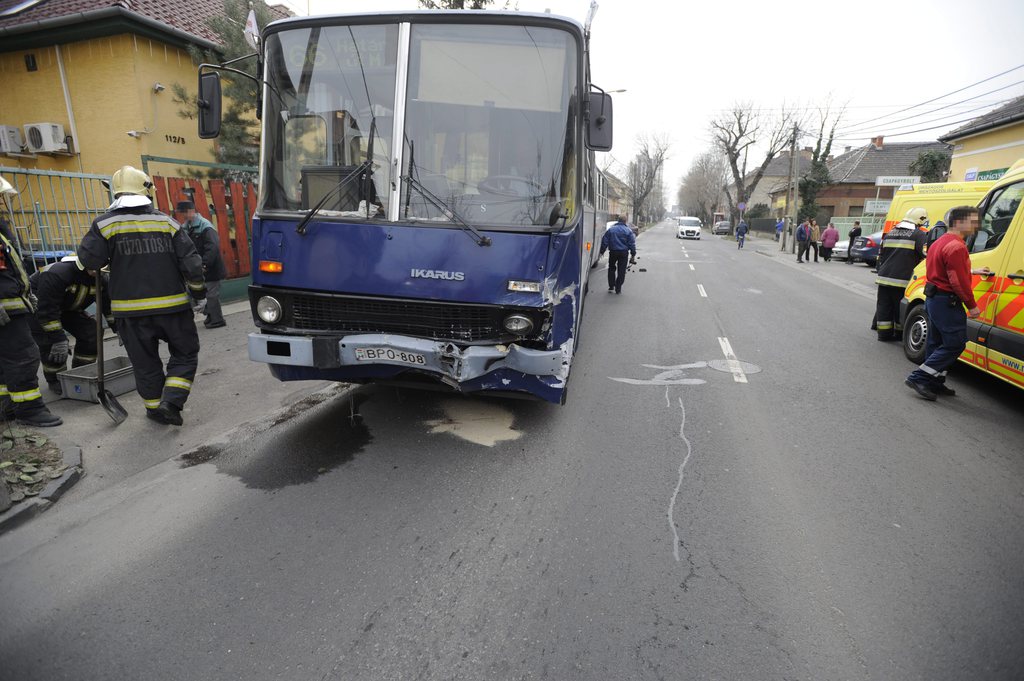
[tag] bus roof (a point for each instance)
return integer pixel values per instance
(430, 17)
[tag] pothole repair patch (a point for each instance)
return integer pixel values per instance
(476, 421)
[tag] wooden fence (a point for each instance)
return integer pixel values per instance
(228, 205)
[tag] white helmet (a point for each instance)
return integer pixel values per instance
(129, 180)
(919, 216)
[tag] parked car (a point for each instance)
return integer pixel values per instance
(841, 250)
(689, 228)
(865, 248)
(721, 227)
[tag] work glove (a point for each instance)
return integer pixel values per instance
(33, 301)
(200, 306)
(59, 352)
(4, 317)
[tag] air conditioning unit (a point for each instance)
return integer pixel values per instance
(45, 137)
(10, 139)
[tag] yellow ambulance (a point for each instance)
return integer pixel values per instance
(995, 341)
(936, 198)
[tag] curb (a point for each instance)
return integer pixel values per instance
(22, 511)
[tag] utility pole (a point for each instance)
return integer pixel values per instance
(790, 210)
(794, 178)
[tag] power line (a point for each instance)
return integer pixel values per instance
(935, 99)
(859, 127)
(911, 132)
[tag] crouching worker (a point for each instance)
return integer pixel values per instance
(153, 269)
(63, 291)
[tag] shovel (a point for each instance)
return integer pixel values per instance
(107, 399)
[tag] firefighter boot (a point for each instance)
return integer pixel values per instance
(41, 417)
(166, 414)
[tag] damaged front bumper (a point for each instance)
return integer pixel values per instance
(459, 367)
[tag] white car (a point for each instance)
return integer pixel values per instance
(841, 250)
(689, 228)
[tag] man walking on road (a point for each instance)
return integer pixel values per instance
(620, 243)
(803, 240)
(741, 233)
(901, 249)
(947, 293)
(854, 233)
(207, 243)
(152, 265)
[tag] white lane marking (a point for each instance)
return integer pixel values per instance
(703, 293)
(679, 484)
(734, 365)
(692, 268)
(687, 255)
(667, 402)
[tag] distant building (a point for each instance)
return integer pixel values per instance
(987, 146)
(854, 173)
(92, 80)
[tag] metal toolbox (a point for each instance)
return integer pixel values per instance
(82, 383)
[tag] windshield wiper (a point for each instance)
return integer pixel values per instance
(364, 167)
(446, 210)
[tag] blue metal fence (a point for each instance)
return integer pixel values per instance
(52, 210)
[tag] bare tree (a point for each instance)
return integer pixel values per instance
(741, 130)
(454, 4)
(643, 175)
(817, 176)
(703, 187)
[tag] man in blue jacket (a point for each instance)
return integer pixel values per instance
(619, 242)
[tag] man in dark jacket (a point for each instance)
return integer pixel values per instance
(854, 233)
(19, 357)
(620, 242)
(153, 269)
(207, 242)
(63, 291)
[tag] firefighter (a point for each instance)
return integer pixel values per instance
(900, 251)
(63, 291)
(19, 357)
(153, 269)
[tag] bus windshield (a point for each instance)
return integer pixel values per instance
(337, 92)
(490, 125)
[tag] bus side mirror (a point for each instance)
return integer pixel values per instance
(599, 122)
(209, 105)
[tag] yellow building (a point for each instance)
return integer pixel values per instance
(987, 146)
(92, 80)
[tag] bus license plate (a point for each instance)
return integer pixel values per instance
(390, 355)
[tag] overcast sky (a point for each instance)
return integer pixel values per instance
(683, 62)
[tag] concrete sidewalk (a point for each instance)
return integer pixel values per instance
(229, 390)
(856, 278)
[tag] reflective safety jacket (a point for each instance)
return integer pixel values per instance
(152, 261)
(62, 287)
(901, 249)
(14, 287)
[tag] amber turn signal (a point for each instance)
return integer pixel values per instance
(271, 266)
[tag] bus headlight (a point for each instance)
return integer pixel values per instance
(269, 310)
(518, 324)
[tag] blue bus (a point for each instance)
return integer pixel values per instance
(428, 211)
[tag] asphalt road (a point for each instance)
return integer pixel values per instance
(739, 487)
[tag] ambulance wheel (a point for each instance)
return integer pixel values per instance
(915, 334)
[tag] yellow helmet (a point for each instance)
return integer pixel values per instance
(129, 180)
(919, 216)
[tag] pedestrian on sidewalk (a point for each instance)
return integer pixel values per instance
(901, 249)
(803, 240)
(779, 226)
(154, 268)
(741, 233)
(620, 243)
(828, 241)
(854, 233)
(815, 237)
(20, 397)
(207, 242)
(947, 293)
(64, 290)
